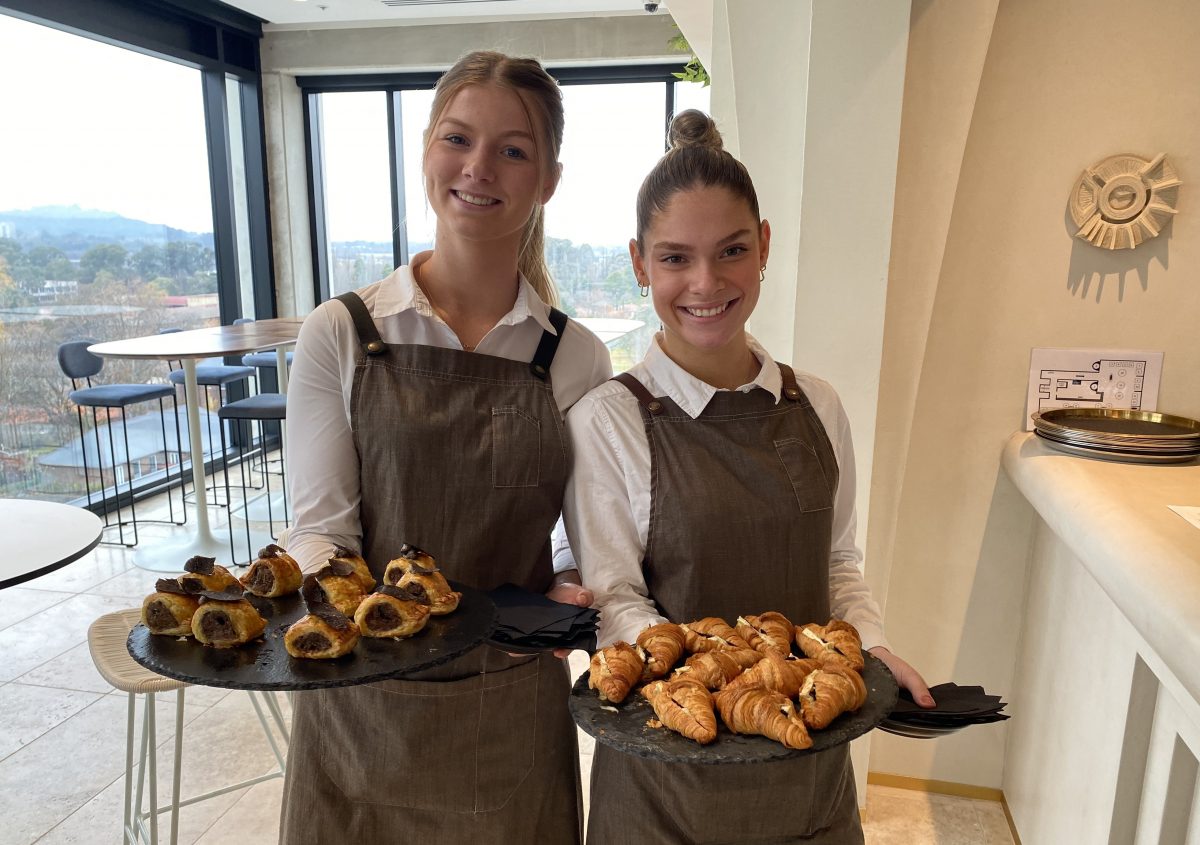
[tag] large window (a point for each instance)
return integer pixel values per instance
(116, 221)
(370, 215)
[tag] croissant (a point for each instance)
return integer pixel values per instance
(342, 587)
(393, 612)
(716, 668)
(782, 674)
(226, 619)
(614, 671)
(711, 633)
(169, 609)
(274, 573)
(417, 567)
(828, 693)
(757, 710)
(325, 632)
(685, 706)
(361, 571)
(768, 631)
(836, 642)
(204, 573)
(663, 644)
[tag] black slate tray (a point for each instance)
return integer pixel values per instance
(626, 730)
(266, 665)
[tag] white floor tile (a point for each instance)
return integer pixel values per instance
(28, 712)
(17, 603)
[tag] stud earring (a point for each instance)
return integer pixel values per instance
(762, 272)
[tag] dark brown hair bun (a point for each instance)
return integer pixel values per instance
(693, 128)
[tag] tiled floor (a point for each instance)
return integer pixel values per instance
(62, 734)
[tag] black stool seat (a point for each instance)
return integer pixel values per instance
(264, 406)
(266, 360)
(214, 375)
(119, 395)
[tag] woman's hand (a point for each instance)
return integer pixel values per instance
(568, 590)
(906, 676)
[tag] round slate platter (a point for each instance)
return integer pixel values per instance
(626, 730)
(265, 664)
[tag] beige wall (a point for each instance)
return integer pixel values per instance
(984, 267)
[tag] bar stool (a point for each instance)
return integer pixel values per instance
(261, 408)
(106, 640)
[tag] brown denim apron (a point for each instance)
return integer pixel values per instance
(462, 455)
(741, 517)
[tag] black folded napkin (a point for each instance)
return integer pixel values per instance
(530, 622)
(957, 707)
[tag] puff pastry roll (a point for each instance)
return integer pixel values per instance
(614, 671)
(274, 573)
(325, 632)
(757, 710)
(663, 644)
(684, 706)
(341, 585)
(361, 571)
(169, 609)
(226, 619)
(782, 674)
(417, 567)
(837, 642)
(717, 668)
(711, 633)
(393, 612)
(828, 693)
(768, 631)
(204, 573)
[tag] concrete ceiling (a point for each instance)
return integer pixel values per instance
(310, 14)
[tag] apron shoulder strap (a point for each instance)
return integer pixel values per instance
(548, 345)
(644, 397)
(368, 334)
(791, 389)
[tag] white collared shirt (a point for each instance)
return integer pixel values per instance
(322, 463)
(607, 506)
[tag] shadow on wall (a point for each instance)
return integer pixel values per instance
(1092, 265)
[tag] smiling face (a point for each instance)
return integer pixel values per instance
(483, 173)
(702, 255)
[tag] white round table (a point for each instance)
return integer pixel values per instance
(41, 537)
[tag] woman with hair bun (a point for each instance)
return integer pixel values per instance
(710, 480)
(427, 408)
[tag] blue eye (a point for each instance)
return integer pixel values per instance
(514, 152)
(735, 250)
(456, 139)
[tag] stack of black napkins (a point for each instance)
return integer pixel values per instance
(956, 708)
(530, 622)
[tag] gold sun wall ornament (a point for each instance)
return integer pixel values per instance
(1124, 200)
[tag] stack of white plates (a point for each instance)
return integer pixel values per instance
(1144, 437)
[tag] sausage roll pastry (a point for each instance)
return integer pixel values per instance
(342, 587)
(828, 693)
(169, 609)
(837, 642)
(274, 573)
(226, 619)
(614, 671)
(684, 706)
(361, 571)
(393, 612)
(323, 634)
(204, 573)
(717, 668)
(782, 674)
(769, 631)
(711, 633)
(416, 567)
(757, 710)
(663, 644)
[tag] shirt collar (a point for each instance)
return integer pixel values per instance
(693, 395)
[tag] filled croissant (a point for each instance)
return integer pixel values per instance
(837, 642)
(782, 674)
(768, 631)
(361, 571)
(393, 612)
(684, 705)
(828, 693)
(325, 632)
(714, 669)
(663, 644)
(711, 633)
(757, 710)
(341, 585)
(416, 567)
(204, 573)
(226, 619)
(614, 671)
(169, 609)
(274, 573)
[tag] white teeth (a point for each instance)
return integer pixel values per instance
(474, 200)
(706, 312)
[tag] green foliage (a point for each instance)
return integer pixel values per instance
(694, 70)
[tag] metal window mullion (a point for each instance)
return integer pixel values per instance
(262, 255)
(396, 165)
(316, 192)
(670, 86)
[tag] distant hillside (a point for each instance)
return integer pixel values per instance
(73, 229)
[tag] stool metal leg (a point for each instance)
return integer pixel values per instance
(153, 761)
(279, 757)
(139, 828)
(127, 831)
(178, 766)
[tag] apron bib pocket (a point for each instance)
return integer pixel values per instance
(804, 469)
(514, 431)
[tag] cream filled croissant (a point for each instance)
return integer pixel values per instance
(717, 668)
(226, 619)
(684, 706)
(614, 670)
(325, 632)
(757, 710)
(415, 566)
(341, 585)
(169, 609)
(204, 573)
(393, 612)
(828, 693)
(782, 674)
(711, 633)
(663, 644)
(361, 571)
(274, 573)
(836, 642)
(768, 631)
